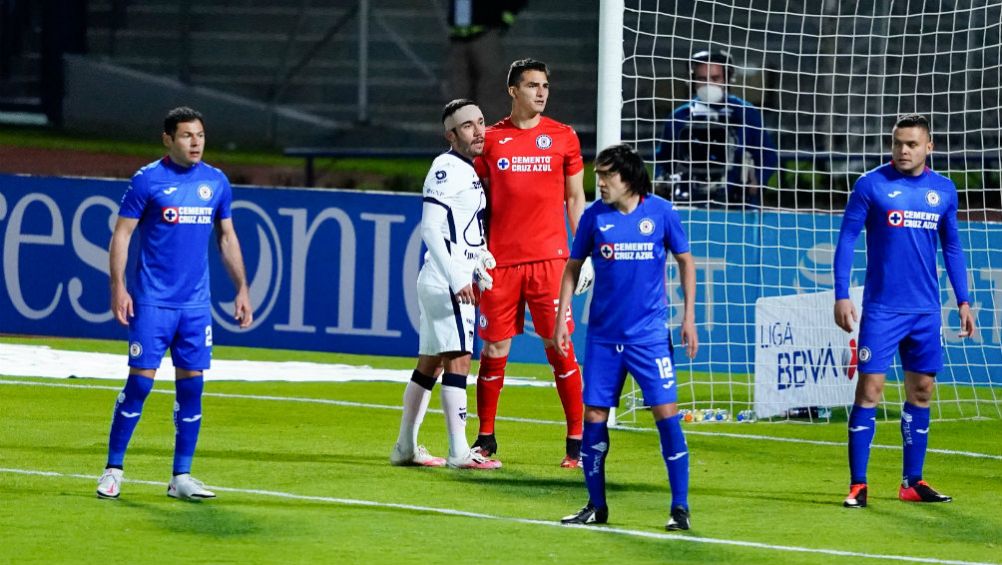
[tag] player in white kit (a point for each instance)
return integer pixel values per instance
(457, 258)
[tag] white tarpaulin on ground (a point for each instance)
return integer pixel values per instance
(36, 361)
(801, 357)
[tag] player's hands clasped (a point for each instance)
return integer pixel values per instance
(845, 314)
(586, 277)
(485, 261)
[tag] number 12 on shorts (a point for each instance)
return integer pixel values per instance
(665, 368)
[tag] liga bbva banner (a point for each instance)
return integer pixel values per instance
(801, 357)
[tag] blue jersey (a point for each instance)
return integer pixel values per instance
(176, 208)
(905, 217)
(629, 303)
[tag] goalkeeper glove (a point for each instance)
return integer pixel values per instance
(586, 277)
(485, 261)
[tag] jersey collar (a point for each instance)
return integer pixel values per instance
(171, 165)
(459, 156)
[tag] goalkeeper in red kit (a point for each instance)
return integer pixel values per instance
(532, 171)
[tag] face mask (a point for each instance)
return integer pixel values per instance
(710, 93)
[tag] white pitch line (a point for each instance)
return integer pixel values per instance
(351, 404)
(530, 521)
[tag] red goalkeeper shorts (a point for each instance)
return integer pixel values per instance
(536, 285)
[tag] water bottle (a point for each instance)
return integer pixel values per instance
(801, 412)
(811, 412)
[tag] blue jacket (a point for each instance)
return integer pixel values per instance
(744, 123)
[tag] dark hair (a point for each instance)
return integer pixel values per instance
(180, 115)
(914, 121)
(455, 105)
(623, 159)
(520, 66)
(712, 56)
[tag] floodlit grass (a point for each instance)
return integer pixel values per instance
(743, 488)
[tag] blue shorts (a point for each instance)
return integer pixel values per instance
(917, 337)
(606, 365)
(187, 331)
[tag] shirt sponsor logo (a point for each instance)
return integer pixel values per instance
(529, 163)
(187, 215)
(630, 251)
(205, 192)
(932, 198)
(646, 226)
(544, 141)
(912, 219)
(503, 164)
(895, 218)
(170, 215)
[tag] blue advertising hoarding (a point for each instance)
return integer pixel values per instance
(335, 270)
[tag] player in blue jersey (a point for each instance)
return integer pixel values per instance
(628, 235)
(906, 208)
(175, 203)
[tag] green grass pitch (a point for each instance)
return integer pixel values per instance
(309, 482)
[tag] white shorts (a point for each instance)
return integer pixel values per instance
(446, 325)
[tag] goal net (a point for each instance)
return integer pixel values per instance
(829, 79)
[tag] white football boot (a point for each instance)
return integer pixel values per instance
(186, 487)
(474, 460)
(110, 484)
(419, 457)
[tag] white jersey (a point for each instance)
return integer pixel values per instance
(452, 222)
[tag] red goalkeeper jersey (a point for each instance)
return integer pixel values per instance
(525, 171)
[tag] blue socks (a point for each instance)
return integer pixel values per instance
(862, 427)
(128, 408)
(187, 421)
(914, 440)
(676, 456)
(594, 449)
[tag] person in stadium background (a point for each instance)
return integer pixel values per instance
(714, 149)
(907, 209)
(176, 203)
(452, 230)
(533, 172)
(476, 52)
(628, 235)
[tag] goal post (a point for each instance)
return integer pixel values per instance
(829, 78)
